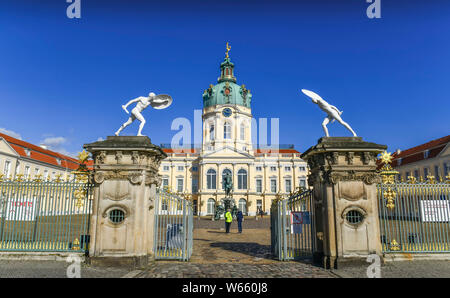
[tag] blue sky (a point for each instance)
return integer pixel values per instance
(62, 81)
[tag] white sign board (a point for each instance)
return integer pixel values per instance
(23, 209)
(434, 210)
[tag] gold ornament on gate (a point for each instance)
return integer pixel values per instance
(388, 179)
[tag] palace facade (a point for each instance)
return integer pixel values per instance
(258, 175)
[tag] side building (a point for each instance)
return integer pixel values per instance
(429, 159)
(258, 175)
(18, 157)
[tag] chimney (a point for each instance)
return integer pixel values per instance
(43, 146)
(398, 151)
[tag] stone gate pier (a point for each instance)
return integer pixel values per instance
(343, 175)
(125, 175)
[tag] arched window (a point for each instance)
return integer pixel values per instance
(227, 130)
(211, 179)
(210, 206)
(242, 132)
(243, 205)
(225, 173)
(211, 132)
(242, 179)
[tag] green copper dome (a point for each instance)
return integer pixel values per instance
(226, 91)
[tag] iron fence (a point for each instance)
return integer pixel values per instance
(414, 217)
(44, 216)
(173, 227)
(292, 227)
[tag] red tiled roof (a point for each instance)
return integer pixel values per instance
(417, 153)
(40, 154)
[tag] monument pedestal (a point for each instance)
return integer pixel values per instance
(125, 175)
(343, 174)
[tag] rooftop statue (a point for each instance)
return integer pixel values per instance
(332, 111)
(158, 102)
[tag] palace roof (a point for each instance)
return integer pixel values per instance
(37, 153)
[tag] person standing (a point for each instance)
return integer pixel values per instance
(239, 217)
(228, 220)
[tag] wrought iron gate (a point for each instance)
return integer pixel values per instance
(414, 215)
(173, 227)
(292, 227)
(44, 216)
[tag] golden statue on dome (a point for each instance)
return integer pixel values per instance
(228, 49)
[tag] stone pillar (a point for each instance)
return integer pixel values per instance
(122, 222)
(343, 176)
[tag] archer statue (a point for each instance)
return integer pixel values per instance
(332, 111)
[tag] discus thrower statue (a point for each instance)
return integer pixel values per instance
(332, 112)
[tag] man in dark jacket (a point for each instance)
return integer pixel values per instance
(239, 217)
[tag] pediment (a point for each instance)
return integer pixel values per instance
(6, 148)
(228, 152)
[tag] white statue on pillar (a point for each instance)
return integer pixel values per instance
(332, 111)
(159, 102)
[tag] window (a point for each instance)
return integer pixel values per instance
(242, 132)
(27, 172)
(302, 182)
(166, 168)
(258, 169)
(399, 161)
(116, 216)
(258, 185)
(273, 185)
(36, 172)
(243, 205)
(416, 174)
(210, 206)
(287, 169)
(407, 174)
(7, 169)
(426, 153)
(446, 169)
(180, 168)
(227, 130)
(273, 169)
(436, 172)
(242, 179)
(180, 185)
(225, 173)
(354, 217)
(211, 132)
(17, 167)
(211, 179)
(302, 169)
(45, 175)
(53, 176)
(288, 185)
(165, 183)
(425, 172)
(194, 169)
(194, 185)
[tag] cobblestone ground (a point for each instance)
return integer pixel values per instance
(53, 269)
(403, 269)
(220, 255)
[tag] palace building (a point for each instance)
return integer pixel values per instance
(18, 157)
(258, 175)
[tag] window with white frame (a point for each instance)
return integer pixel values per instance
(258, 185)
(165, 183)
(194, 185)
(27, 172)
(166, 168)
(180, 184)
(287, 169)
(242, 179)
(302, 182)
(45, 175)
(436, 172)
(273, 185)
(258, 169)
(242, 132)
(273, 169)
(211, 132)
(425, 172)
(288, 185)
(211, 179)
(227, 131)
(7, 169)
(210, 206)
(36, 172)
(302, 169)
(180, 168)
